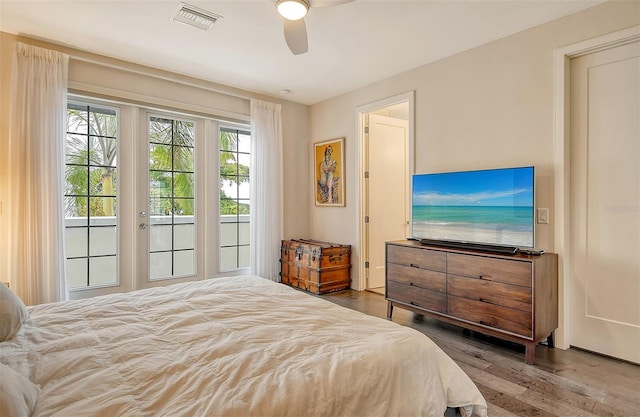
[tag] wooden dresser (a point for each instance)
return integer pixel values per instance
(513, 297)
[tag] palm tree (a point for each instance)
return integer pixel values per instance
(90, 161)
(171, 166)
(231, 171)
(91, 164)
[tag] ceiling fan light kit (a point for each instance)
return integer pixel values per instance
(292, 9)
(295, 30)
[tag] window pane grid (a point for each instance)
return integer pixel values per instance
(89, 257)
(174, 171)
(234, 199)
(172, 199)
(71, 164)
(91, 225)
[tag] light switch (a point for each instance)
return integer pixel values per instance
(543, 216)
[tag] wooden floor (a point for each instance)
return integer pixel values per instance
(562, 383)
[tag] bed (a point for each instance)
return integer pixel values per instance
(238, 346)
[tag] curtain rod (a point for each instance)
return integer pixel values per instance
(125, 66)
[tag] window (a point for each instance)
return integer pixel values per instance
(132, 197)
(171, 198)
(235, 160)
(91, 190)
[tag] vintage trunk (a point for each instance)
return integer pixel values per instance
(315, 266)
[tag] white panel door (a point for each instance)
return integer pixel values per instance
(387, 157)
(605, 190)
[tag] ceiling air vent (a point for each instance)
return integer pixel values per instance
(194, 16)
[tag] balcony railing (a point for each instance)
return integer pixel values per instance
(91, 245)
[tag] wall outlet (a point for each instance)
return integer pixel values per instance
(543, 216)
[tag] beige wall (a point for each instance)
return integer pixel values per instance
(113, 78)
(492, 106)
(488, 107)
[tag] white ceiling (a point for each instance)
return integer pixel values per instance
(350, 45)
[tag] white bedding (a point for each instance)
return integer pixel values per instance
(241, 346)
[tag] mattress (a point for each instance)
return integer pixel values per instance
(237, 346)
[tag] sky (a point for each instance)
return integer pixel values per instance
(499, 187)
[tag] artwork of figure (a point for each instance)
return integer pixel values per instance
(328, 184)
(328, 170)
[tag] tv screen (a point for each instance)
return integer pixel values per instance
(491, 207)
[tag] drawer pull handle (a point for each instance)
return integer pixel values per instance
(485, 277)
(414, 266)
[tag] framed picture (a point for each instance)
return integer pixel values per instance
(329, 172)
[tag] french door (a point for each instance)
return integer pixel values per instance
(98, 168)
(170, 198)
(134, 197)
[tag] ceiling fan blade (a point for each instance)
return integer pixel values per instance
(324, 3)
(295, 33)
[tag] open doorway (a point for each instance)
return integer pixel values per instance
(386, 138)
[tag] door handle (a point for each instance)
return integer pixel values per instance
(142, 215)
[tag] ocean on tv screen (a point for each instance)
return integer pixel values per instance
(493, 206)
(497, 225)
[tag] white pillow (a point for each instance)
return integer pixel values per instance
(12, 313)
(18, 395)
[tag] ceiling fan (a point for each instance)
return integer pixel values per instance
(294, 11)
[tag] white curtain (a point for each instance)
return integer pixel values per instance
(266, 189)
(36, 146)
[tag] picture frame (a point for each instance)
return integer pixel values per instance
(328, 173)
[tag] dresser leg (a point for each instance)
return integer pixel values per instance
(389, 310)
(530, 353)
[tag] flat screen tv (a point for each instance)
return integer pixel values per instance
(493, 207)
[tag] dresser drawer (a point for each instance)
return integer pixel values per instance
(424, 278)
(421, 258)
(513, 297)
(498, 317)
(506, 295)
(416, 296)
(490, 269)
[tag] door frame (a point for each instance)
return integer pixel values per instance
(562, 179)
(361, 112)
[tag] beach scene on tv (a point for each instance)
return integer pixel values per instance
(492, 207)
